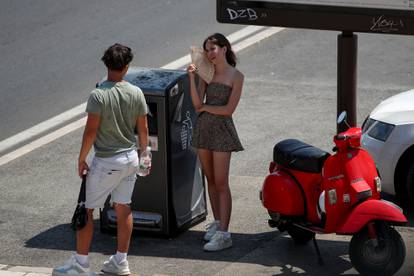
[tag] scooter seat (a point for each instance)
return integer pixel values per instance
(297, 155)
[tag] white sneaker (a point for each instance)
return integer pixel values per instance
(112, 266)
(211, 230)
(218, 242)
(71, 267)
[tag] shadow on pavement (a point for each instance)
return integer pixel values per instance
(288, 258)
(186, 245)
(270, 249)
(273, 250)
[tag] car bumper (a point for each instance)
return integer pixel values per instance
(385, 156)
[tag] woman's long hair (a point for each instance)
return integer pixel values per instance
(221, 41)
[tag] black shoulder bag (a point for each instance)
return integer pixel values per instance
(80, 216)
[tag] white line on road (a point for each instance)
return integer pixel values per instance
(259, 33)
(42, 141)
(80, 109)
(42, 127)
(234, 37)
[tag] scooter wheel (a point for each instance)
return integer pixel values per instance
(382, 256)
(299, 235)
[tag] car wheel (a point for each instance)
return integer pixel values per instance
(409, 183)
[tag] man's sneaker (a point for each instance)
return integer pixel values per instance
(211, 230)
(113, 267)
(218, 242)
(71, 267)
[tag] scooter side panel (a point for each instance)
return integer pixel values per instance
(281, 194)
(334, 182)
(311, 185)
(340, 171)
(371, 210)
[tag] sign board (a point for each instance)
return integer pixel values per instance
(372, 16)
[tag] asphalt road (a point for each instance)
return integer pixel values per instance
(50, 50)
(289, 92)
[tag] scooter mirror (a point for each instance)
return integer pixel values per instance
(341, 117)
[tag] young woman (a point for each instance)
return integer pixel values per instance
(215, 135)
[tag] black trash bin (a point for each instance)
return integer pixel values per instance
(172, 198)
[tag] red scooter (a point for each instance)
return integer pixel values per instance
(309, 191)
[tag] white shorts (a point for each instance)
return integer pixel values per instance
(115, 176)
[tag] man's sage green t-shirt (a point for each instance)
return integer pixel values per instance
(118, 104)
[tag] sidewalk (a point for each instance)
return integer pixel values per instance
(9, 270)
(258, 250)
(265, 261)
(6, 270)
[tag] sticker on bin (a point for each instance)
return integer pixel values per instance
(186, 131)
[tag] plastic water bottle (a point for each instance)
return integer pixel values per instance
(145, 162)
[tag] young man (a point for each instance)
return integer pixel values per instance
(114, 109)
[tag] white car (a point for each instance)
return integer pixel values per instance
(388, 135)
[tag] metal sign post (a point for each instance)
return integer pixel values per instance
(347, 75)
(346, 16)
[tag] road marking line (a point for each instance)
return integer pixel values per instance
(80, 109)
(42, 141)
(256, 38)
(234, 37)
(262, 33)
(42, 127)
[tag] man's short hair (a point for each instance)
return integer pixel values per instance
(117, 57)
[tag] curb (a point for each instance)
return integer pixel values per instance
(9, 270)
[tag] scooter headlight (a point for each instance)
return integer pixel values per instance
(377, 182)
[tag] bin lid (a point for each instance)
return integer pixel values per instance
(154, 81)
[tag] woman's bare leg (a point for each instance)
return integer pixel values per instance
(221, 162)
(206, 159)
